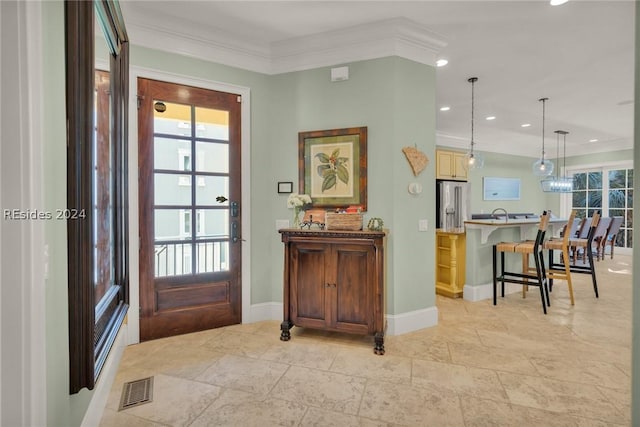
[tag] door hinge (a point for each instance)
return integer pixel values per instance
(139, 99)
(239, 99)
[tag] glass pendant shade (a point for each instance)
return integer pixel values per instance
(542, 167)
(475, 160)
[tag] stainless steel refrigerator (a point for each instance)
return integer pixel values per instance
(453, 200)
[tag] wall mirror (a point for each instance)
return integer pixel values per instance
(96, 185)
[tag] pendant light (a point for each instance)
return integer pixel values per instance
(474, 159)
(559, 184)
(542, 167)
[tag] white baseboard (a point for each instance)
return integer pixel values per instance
(264, 311)
(403, 323)
(482, 292)
(103, 386)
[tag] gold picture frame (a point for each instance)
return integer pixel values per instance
(332, 167)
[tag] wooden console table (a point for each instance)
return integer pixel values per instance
(334, 280)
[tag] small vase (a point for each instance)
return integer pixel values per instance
(296, 218)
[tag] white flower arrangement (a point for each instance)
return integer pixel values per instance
(298, 201)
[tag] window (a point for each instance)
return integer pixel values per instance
(587, 193)
(97, 229)
(609, 190)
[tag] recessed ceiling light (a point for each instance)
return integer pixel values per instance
(593, 140)
(557, 2)
(441, 62)
(525, 125)
(491, 118)
(445, 108)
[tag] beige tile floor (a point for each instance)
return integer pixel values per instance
(481, 366)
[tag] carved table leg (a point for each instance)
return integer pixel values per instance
(285, 326)
(379, 348)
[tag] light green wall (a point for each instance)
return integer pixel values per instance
(395, 99)
(635, 354)
(62, 409)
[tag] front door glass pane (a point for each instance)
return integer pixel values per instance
(212, 157)
(190, 240)
(212, 124)
(171, 119)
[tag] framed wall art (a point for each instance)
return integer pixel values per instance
(332, 167)
(500, 188)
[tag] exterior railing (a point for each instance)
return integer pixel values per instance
(174, 259)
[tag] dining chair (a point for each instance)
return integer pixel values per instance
(582, 233)
(612, 234)
(600, 235)
(575, 227)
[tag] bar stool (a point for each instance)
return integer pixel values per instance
(554, 271)
(586, 245)
(526, 277)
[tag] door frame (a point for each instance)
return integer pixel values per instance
(133, 335)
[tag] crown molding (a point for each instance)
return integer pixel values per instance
(393, 37)
(211, 46)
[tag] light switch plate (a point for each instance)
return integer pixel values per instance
(282, 223)
(423, 225)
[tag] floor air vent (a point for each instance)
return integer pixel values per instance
(136, 393)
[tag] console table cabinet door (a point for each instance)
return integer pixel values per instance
(309, 300)
(351, 303)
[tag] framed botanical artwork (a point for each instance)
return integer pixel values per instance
(332, 167)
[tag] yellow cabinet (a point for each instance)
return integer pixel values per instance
(451, 165)
(450, 262)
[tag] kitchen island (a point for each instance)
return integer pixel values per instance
(481, 235)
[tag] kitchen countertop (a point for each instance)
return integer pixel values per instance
(488, 226)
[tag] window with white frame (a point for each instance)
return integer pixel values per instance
(608, 189)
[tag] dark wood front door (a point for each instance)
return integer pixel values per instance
(190, 226)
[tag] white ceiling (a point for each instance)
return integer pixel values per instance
(580, 55)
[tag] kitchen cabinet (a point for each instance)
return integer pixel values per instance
(451, 165)
(450, 262)
(334, 280)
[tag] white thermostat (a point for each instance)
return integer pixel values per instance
(415, 188)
